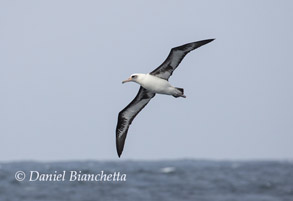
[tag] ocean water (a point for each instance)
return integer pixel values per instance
(194, 180)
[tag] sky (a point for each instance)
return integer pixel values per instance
(62, 63)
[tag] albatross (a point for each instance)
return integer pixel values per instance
(155, 82)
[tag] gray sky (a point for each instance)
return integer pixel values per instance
(62, 63)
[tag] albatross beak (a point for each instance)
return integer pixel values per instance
(128, 80)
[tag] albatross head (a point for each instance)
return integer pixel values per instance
(134, 78)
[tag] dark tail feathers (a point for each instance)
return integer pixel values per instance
(181, 89)
(180, 95)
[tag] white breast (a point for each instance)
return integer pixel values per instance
(155, 84)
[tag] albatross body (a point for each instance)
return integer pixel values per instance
(155, 82)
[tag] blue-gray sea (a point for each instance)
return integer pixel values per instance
(196, 180)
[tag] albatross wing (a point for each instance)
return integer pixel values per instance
(174, 58)
(126, 116)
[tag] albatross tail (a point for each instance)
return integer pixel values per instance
(180, 93)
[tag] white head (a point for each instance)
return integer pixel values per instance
(134, 78)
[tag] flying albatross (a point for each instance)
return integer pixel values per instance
(152, 83)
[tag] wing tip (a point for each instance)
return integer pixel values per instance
(119, 151)
(207, 41)
(202, 42)
(119, 147)
(119, 154)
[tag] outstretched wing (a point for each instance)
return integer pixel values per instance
(174, 58)
(127, 115)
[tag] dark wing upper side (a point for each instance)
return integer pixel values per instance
(174, 58)
(126, 116)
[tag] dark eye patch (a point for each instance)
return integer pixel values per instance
(133, 76)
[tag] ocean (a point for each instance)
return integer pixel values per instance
(196, 180)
